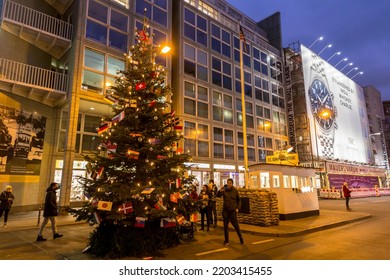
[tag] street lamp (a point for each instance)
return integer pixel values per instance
(327, 46)
(344, 59)
(316, 40)
(349, 64)
(356, 68)
(336, 53)
(358, 73)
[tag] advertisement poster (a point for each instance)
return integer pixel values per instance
(341, 133)
(22, 136)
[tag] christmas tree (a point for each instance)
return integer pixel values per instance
(138, 188)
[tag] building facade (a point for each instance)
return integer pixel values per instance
(59, 58)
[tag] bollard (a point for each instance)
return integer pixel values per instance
(39, 216)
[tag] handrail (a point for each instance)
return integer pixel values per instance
(26, 16)
(32, 75)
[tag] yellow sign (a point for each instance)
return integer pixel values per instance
(283, 159)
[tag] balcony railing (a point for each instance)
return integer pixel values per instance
(33, 77)
(46, 32)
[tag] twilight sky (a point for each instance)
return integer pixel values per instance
(359, 29)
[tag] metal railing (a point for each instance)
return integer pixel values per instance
(23, 15)
(21, 73)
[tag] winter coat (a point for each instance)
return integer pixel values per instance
(50, 208)
(231, 199)
(346, 191)
(6, 203)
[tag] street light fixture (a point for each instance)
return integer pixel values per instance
(344, 59)
(327, 46)
(356, 68)
(336, 53)
(316, 40)
(358, 73)
(349, 64)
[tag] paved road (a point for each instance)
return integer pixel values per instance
(367, 239)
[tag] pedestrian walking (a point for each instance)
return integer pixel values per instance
(204, 207)
(347, 194)
(6, 201)
(213, 202)
(231, 205)
(50, 212)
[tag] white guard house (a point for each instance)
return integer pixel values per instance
(294, 186)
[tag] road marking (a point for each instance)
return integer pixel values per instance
(263, 241)
(210, 252)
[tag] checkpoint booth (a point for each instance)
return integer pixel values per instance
(294, 185)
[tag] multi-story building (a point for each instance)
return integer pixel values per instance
(335, 123)
(59, 57)
(378, 151)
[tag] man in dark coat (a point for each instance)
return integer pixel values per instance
(50, 212)
(231, 205)
(6, 201)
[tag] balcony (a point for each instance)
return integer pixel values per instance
(48, 33)
(32, 82)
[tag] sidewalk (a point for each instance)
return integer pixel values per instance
(327, 219)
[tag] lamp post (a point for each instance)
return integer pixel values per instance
(327, 46)
(316, 40)
(336, 53)
(344, 59)
(355, 68)
(349, 64)
(358, 73)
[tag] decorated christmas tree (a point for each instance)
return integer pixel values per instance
(137, 184)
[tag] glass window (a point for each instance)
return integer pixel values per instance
(114, 65)
(189, 107)
(118, 40)
(96, 31)
(94, 60)
(218, 150)
(119, 20)
(97, 11)
(93, 81)
(218, 134)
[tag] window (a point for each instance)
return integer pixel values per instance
(220, 40)
(250, 146)
(107, 26)
(221, 73)
(196, 100)
(196, 141)
(87, 139)
(246, 52)
(156, 10)
(247, 82)
(195, 62)
(222, 107)
(195, 27)
(248, 111)
(99, 70)
(223, 149)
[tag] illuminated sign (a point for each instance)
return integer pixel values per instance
(340, 134)
(283, 159)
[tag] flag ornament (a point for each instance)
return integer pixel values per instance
(160, 206)
(167, 222)
(140, 222)
(147, 191)
(132, 154)
(126, 208)
(180, 219)
(111, 150)
(104, 127)
(104, 205)
(118, 117)
(97, 219)
(140, 86)
(194, 218)
(173, 197)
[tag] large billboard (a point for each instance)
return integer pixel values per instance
(336, 111)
